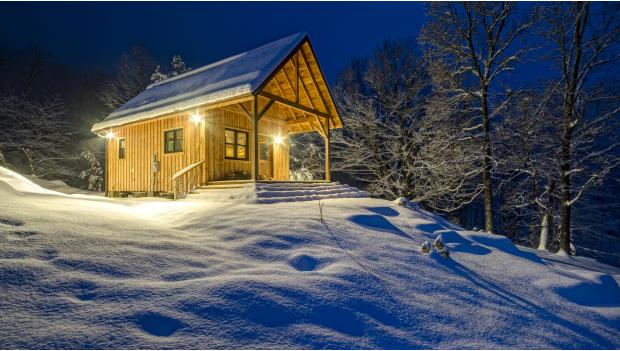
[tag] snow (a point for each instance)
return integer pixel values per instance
(221, 270)
(232, 77)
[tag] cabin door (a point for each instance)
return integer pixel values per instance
(265, 151)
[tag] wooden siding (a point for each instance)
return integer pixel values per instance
(203, 141)
(234, 118)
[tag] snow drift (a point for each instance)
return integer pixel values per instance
(215, 272)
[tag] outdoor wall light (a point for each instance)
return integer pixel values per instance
(277, 140)
(110, 135)
(196, 118)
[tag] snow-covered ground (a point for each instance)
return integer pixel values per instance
(220, 270)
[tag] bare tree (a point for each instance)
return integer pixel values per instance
(133, 76)
(399, 138)
(525, 147)
(584, 40)
(475, 41)
(36, 130)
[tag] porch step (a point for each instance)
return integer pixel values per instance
(294, 191)
(227, 184)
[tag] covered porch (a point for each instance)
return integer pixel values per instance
(296, 99)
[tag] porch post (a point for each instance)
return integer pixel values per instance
(328, 175)
(255, 142)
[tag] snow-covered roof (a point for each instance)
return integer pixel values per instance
(223, 80)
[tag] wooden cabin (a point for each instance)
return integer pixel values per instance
(230, 120)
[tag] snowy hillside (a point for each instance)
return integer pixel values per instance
(219, 270)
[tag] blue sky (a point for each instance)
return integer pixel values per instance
(98, 33)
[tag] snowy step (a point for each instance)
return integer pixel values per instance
(283, 191)
(298, 187)
(313, 197)
(302, 192)
(226, 186)
(289, 192)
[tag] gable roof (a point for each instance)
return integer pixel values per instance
(236, 76)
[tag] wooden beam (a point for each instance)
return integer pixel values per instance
(318, 126)
(282, 93)
(297, 77)
(294, 105)
(247, 113)
(290, 84)
(265, 109)
(328, 172)
(255, 141)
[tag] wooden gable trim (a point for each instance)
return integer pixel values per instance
(331, 97)
(281, 64)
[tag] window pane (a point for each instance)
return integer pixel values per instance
(178, 145)
(242, 138)
(230, 151)
(121, 148)
(169, 136)
(170, 146)
(179, 134)
(241, 152)
(230, 136)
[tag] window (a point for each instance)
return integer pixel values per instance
(121, 149)
(173, 140)
(264, 152)
(236, 144)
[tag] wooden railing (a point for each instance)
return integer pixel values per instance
(187, 179)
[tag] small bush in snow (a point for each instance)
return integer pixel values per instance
(444, 252)
(438, 243)
(426, 247)
(93, 174)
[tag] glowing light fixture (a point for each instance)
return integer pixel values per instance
(110, 134)
(278, 140)
(196, 118)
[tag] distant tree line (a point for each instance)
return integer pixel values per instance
(47, 109)
(442, 121)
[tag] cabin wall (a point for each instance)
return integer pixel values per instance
(144, 139)
(202, 141)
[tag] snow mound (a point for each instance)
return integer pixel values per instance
(86, 272)
(14, 182)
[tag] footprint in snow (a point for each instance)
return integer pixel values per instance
(158, 324)
(304, 263)
(20, 235)
(11, 221)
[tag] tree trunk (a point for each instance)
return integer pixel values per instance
(544, 232)
(486, 164)
(28, 154)
(565, 207)
(569, 106)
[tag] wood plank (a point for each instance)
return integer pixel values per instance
(293, 104)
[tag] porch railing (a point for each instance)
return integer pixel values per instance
(187, 179)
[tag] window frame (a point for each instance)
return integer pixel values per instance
(121, 156)
(235, 144)
(175, 139)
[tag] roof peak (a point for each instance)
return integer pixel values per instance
(222, 61)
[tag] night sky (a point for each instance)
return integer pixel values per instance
(96, 34)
